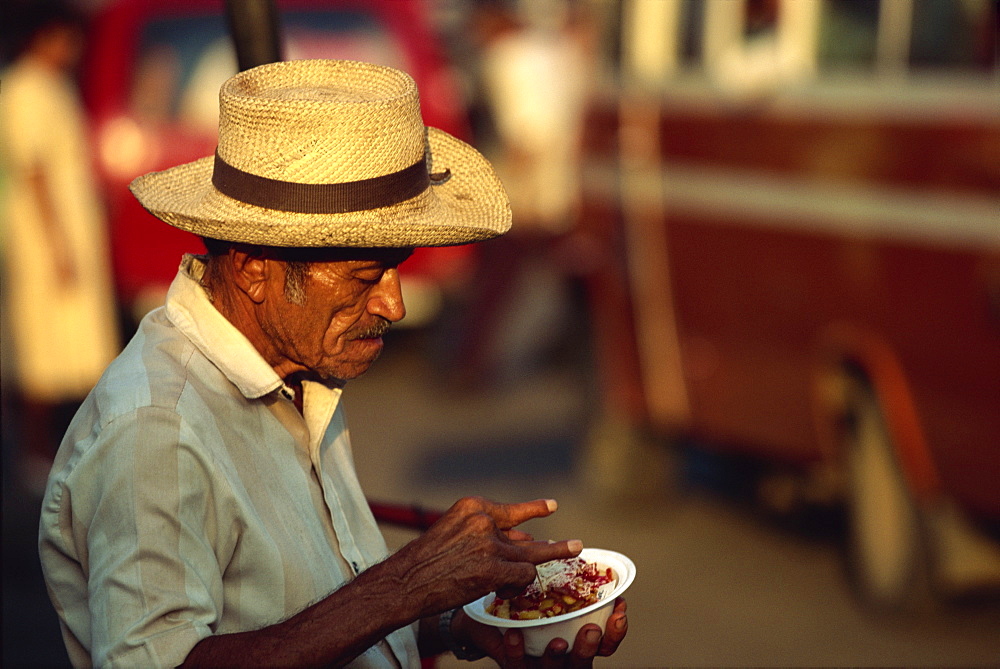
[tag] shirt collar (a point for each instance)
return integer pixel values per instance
(191, 311)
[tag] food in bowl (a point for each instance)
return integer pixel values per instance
(539, 632)
(561, 586)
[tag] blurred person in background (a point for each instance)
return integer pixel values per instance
(537, 70)
(203, 508)
(537, 74)
(59, 304)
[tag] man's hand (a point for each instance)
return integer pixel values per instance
(508, 648)
(471, 551)
(474, 550)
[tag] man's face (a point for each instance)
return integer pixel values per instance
(336, 331)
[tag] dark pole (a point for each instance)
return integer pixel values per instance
(256, 33)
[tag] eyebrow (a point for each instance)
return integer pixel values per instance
(369, 266)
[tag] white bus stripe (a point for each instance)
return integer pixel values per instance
(754, 198)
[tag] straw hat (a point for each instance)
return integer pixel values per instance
(316, 153)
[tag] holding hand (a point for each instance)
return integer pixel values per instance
(508, 648)
(474, 550)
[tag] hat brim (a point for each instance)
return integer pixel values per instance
(469, 206)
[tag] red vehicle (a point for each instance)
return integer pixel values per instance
(151, 85)
(811, 260)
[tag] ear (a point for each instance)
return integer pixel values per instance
(250, 271)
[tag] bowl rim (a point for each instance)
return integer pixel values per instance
(477, 609)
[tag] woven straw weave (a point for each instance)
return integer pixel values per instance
(330, 122)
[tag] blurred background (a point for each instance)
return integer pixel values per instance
(746, 328)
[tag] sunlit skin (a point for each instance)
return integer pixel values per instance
(336, 333)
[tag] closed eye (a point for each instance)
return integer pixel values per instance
(369, 278)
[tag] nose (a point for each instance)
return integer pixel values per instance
(387, 298)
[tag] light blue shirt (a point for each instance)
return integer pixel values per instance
(190, 498)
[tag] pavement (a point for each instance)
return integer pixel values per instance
(719, 582)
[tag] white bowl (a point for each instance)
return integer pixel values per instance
(540, 631)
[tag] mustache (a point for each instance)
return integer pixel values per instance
(375, 330)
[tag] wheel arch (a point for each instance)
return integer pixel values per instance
(850, 354)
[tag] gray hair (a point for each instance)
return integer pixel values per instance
(296, 270)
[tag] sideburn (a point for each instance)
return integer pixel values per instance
(296, 272)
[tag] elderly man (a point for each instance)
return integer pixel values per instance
(203, 508)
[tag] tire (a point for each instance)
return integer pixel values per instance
(889, 561)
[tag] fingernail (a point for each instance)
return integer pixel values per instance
(558, 650)
(621, 623)
(551, 504)
(575, 545)
(593, 636)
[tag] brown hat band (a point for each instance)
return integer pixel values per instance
(339, 198)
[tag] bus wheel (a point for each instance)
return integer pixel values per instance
(888, 559)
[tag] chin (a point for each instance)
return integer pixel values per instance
(347, 372)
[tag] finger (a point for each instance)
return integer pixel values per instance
(538, 552)
(509, 591)
(513, 646)
(518, 535)
(514, 578)
(508, 516)
(521, 560)
(585, 646)
(491, 642)
(615, 629)
(485, 637)
(554, 656)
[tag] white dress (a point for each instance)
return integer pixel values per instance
(63, 335)
(537, 83)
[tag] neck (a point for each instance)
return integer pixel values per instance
(294, 382)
